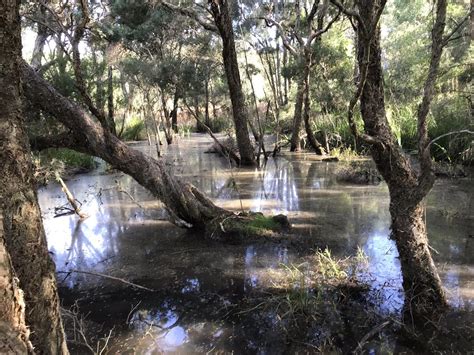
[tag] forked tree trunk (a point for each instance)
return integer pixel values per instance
(421, 282)
(22, 223)
(221, 13)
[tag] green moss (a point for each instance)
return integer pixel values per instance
(245, 224)
(261, 222)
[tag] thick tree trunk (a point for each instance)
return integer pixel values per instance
(183, 201)
(220, 10)
(14, 334)
(421, 283)
(22, 223)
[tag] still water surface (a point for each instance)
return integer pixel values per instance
(199, 282)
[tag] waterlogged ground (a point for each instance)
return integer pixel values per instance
(217, 298)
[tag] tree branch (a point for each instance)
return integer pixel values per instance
(426, 175)
(448, 37)
(466, 131)
(270, 23)
(191, 14)
(318, 33)
(350, 13)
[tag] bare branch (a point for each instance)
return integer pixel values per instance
(270, 23)
(448, 37)
(313, 11)
(462, 131)
(349, 13)
(107, 277)
(318, 33)
(191, 14)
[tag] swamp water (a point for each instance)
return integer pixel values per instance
(210, 296)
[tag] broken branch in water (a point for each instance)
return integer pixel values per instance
(70, 197)
(105, 276)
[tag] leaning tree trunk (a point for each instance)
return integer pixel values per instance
(220, 10)
(421, 282)
(184, 202)
(22, 223)
(14, 334)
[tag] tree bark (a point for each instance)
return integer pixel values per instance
(220, 11)
(14, 334)
(421, 282)
(22, 223)
(110, 102)
(295, 144)
(41, 37)
(313, 142)
(174, 112)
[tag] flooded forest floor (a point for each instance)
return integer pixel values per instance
(332, 284)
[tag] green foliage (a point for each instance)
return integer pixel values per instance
(63, 161)
(134, 131)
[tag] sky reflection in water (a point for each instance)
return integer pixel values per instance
(121, 239)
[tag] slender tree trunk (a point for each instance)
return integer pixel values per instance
(220, 10)
(199, 127)
(151, 123)
(295, 144)
(110, 102)
(285, 79)
(421, 282)
(206, 107)
(22, 224)
(41, 37)
(313, 142)
(174, 113)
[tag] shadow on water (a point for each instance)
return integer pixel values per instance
(203, 288)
